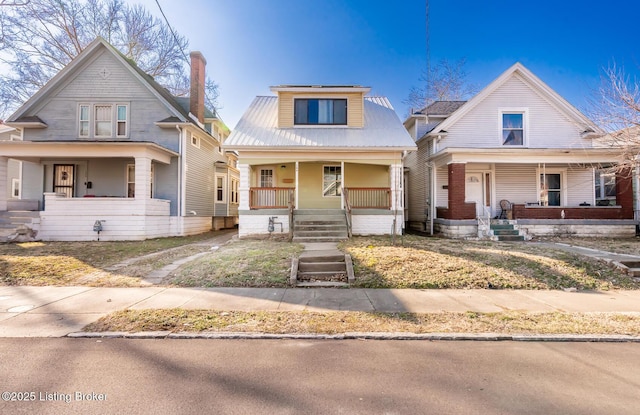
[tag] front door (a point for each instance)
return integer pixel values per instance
(474, 191)
(63, 179)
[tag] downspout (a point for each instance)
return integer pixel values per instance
(432, 194)
(180, 172)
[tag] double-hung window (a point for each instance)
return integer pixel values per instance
(605, 187)
(550, 189)
(320, 111)
(513, 129)
(102, 117)
(84, 121)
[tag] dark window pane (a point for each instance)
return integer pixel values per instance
(340, 111)
(554, 198)
(553, 181)
(313, 111)
(512, 137)
(301, 111)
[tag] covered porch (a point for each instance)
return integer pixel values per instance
(543, 192)
(86, 191)
(368, 191)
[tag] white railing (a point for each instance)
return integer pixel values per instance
(484, 224)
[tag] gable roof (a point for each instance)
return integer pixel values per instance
(534, 83)
(179, 113)
(258, 129)
(443, 108)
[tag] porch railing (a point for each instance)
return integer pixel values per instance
(347, 211)
(369, 197)
(271, 197)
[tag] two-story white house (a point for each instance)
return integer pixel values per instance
(517, 151)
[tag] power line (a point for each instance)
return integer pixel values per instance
(175, 37)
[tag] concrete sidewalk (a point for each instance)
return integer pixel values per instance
(58, 311)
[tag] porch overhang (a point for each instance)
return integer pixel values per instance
(382, 157)
(39, 150)
(525, 156)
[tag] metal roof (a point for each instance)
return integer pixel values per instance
(258, 128)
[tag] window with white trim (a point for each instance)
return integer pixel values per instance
(550, 189)
(513, 129)
(332, 181)
(131, 180)
(195, 141)
(84, 121)
(235, 185)
(605, 188)
(220, 188)
(103, 120)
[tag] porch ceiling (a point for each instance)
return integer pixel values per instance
(525, 156)
(32, 150)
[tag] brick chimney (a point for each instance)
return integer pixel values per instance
(196, 98)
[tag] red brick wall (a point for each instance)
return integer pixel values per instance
(624, 199)
(458, 208)
(589, 212)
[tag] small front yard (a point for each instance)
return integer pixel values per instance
(424, 262)
(420, 262)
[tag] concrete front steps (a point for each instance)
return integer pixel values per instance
(11, 220)
(319, 225)
(506, 231)
(322, 266)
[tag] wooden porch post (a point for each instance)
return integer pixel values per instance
(4, 161)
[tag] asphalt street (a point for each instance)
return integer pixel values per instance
(169, 376)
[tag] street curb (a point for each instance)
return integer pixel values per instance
(360, 336)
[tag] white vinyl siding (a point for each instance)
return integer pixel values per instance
(442, 195)
(515, 183)
(579, 186)
(547, 126)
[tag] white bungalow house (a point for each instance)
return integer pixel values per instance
(323, 153)
(517, 151)
(113, 155)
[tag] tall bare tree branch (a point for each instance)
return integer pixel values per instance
(40, 37)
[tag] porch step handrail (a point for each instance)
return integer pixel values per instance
(347, 211)
(369, 197)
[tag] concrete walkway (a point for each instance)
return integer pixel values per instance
(58, 311)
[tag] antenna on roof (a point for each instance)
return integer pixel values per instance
(428, 49)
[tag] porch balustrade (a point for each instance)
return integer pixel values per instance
(271, 197)
(369, 197)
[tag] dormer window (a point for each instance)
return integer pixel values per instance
(320, 112)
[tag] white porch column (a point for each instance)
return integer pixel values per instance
(4, 191)
(342, 184)
(297, 185)
(143, 178)
(395, 181)
(245, 184)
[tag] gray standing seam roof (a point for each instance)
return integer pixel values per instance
(258, 128)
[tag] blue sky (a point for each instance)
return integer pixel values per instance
(253, 44)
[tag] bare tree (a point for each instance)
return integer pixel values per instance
(615, 107)
(40, 37)
(445, 81)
